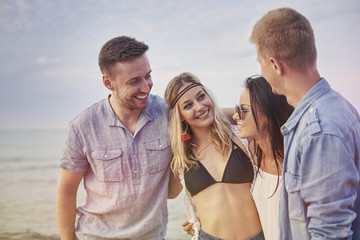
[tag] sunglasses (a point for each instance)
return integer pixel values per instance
(240, 112)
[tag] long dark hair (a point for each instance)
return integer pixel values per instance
(276, 110)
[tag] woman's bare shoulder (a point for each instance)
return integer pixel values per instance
(241, 142)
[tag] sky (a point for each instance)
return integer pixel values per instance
(49, 49)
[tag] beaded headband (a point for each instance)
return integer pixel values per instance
(182, 92)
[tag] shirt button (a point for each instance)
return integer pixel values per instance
(134, 156)
(311, 109)
(105, 156)
(135, 171)
(160, 145)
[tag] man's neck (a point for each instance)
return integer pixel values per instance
(298, 84)
(128, 117)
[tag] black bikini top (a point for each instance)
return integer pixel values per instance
(238, 169)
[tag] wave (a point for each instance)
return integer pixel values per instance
(27, 236)
(17, 169)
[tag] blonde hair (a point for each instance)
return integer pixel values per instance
(182, 151)
(287, 35)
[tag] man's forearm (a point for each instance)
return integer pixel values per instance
(175, 186)
(65, 214)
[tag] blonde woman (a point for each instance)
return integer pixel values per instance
(212, 164)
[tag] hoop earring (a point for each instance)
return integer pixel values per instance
(185, 135)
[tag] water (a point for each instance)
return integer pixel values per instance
(28, 177)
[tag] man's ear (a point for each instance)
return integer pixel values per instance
(107, 82)
(277, 65)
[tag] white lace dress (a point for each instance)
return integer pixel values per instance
(190, 209)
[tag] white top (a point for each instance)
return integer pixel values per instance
(268, 208)
(190, 209)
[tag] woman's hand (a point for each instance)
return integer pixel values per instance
(187, 227)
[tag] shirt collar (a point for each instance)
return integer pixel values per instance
(314, 93)
(114, 121)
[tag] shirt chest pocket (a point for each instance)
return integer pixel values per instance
(296, 205)
(108, 165)
(158, 153)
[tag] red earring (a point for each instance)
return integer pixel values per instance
(185, 135)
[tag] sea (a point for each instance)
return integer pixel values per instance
(28, 177)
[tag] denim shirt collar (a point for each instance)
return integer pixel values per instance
(314, 93)
(114, 121)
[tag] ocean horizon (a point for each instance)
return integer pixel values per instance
(29, 172)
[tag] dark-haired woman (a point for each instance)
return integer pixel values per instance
(259, 116)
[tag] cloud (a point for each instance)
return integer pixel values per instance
(43, 60)
(50, 48)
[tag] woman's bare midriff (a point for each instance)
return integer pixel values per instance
(228, 211)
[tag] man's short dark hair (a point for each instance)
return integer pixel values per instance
(120, 49)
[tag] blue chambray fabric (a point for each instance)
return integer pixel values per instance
(320, 196)
(127, 175)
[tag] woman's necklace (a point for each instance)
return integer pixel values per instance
(198, 153)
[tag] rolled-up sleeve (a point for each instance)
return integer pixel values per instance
(73, 157)
(328, 185)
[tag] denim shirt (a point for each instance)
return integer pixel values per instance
(126, 176)
(320, 196)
